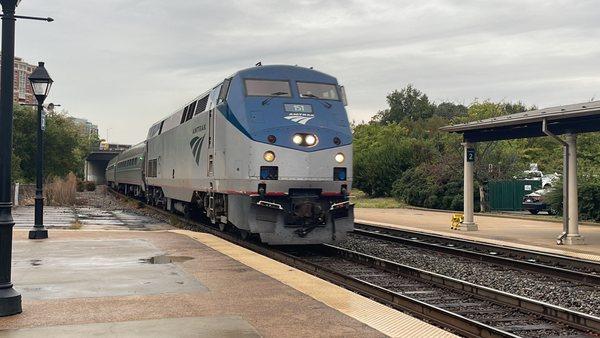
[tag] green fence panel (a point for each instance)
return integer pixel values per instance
(507, 195)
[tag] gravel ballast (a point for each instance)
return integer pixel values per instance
(560, 292)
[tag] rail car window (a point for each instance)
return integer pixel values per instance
(155, 130)
(224, 90)
(318, 91)
(268, 88)
(201, 106)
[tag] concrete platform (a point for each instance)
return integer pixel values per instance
(524, 233)
(180, 283)
(86, 218)
(182, 327)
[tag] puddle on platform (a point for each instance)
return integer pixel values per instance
(164, 259)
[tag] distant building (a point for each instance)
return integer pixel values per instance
(22, 90)
(87, 127)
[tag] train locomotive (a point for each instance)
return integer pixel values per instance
(267, 151)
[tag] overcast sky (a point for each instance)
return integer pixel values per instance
(123, 64)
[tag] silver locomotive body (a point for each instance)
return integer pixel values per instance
(245, 155)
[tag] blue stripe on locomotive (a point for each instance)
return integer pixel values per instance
(258, 121)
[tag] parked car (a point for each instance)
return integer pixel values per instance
(534, 202)
(534, 173)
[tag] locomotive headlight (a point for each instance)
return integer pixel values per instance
(339, 157)
(297, 139)
(269, 156)
(310, 140)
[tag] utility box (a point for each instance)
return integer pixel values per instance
(507, 195)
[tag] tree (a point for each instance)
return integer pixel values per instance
(65, 145)
(402, 153)
(382, 154)
(450, 110)
(408, 103)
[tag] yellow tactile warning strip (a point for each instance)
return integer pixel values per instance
(580, 255)
(380, 317)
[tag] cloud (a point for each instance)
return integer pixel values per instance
(126, 63)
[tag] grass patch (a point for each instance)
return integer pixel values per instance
(76, 225)
(61, 192)
(362, 200)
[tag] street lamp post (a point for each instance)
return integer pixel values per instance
(10, 299)
(40, 83)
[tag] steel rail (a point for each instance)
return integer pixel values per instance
(444, 318)
(523, 259)
(572, 318)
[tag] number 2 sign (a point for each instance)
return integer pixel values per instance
(470, 154)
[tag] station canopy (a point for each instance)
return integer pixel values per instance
(573, 118)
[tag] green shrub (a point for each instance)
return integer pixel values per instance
(431, 186)
(382, 154)
(589, 198)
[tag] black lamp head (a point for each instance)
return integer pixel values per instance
(40, 82)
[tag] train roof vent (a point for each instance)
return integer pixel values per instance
(184, 114)
(192, 110)
(201, 106)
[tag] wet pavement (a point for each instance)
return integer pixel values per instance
(97, 268)
(87, 218)
(80, 283)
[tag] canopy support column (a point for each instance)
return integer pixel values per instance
(573, 237)
(468, 224)
(565, 198)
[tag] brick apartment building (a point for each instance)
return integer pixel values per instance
(22, 91)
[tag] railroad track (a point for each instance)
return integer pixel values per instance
(467, 309)
(570, 268)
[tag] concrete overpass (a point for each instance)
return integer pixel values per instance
(97, 161)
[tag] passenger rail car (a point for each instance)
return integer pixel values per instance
(268, 151)
(125, 172)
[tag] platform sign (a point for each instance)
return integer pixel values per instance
(470, 154)
(43, 121)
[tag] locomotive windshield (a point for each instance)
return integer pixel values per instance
(268, 88)
(318, 91)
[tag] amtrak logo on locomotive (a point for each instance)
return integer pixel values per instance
(299, 113)
(301, 118)
(196, 145)
(199, 129)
